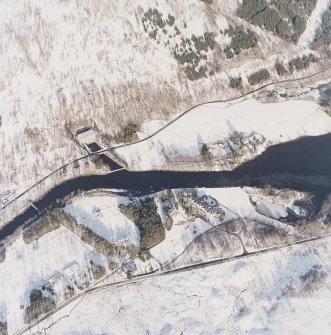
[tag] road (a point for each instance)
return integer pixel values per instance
(155, 133)
(137, 279)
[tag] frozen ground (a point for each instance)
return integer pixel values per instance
(101, 213)
(282, 292)
(72, 64)
(191, 239)
(216, 122)
(236, 205)
(29, 266)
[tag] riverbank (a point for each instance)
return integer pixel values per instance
(303, 165)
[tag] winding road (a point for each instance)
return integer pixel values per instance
(155, 133)
(162, 271)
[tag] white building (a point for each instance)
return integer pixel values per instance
(85, 135)
(71, 270)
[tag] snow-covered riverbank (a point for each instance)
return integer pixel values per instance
(232, 134)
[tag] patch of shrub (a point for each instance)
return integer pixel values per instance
(113, 265)
(144, 214)
(99, 243)
(97, 270)
(154, 17)
(313, 279)
(39, 305)
(82, 285)
(153, 34)
(286, 18)
(69, 292)
(259, 77)
(301, 63)
(249, 8)
(283, 29)
(168, 195)
(327, 219)
(236, 82)
(204, 42)
(177, 31)
(171, 20)
(65, 218)
(206, 155)
(299, 26)
(280, 69)
(169, 223)
(268, 18)
(187, 56)
(153, 21)
(127, 134)
(323, 34)
(47, 223)
(289, 8)
(194, 72)
(2, 253)
(190, 52)
(241, 39)
(97, 161)
(3, 328)
(228, 53)
(168, 203)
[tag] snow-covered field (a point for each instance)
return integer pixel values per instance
(178, 238)
(236, 205)
(282, 292)
(101, 214)
(216, 122)
(191, 239)
(91, 62)
(28, 266)
(68, 64)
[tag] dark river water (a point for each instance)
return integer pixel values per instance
(325, 92)
(303, 165)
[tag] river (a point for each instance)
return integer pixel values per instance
(325, 92)
(303, 165)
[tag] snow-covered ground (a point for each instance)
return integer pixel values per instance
(73, 64)
(178, 238)
(69, 64)
(314, 22)
(276, 203)
(236, 205)
(29, 266)
(192, 238)
(282, 292)
(101, 214)
(216, 122)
